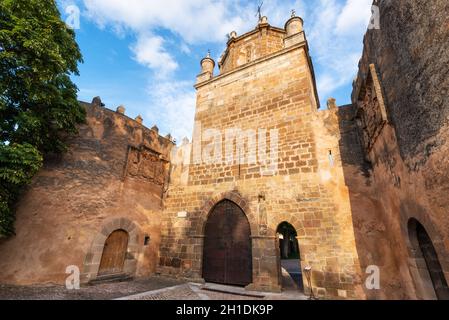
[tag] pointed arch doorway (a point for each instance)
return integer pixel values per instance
(429, 266)
(227, 255)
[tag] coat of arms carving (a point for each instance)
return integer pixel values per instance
(147, 164)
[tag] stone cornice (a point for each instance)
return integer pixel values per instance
(299, 45)
(249, 65)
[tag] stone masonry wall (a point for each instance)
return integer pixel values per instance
(112, 177)
(308, 190)
(412, 42)
(348, 179)
(402, 121)
(263, 41)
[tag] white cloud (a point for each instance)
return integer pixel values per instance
(175, 103)
(149, 51)
(185, 48)
(340, 72)
(336, 50)
(193, 20)
(354, 16)
(334, 28)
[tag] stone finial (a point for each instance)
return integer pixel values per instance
(207, 69)
(207, 64)
(97, 102)
(331, 104)
(121, 109)
(293, 13)
(139, 119)
(233, 35)
(185, 141)
(263, 20)
(169, 137)
(155, 128)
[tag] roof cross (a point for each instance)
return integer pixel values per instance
(259, 11)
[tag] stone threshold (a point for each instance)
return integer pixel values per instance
(231, 290)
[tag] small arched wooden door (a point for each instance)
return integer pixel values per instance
(114, 253)
(227, 256)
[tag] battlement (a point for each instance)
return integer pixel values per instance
(97, 104)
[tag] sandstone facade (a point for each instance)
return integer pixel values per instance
(401, 102)
(275, 94)
(113, 177)
(363, 185)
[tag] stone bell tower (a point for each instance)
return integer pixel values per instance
(255, 163)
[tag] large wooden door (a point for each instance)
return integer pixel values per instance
(227, 257)
(114, 253)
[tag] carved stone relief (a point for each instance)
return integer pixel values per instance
(146, 164)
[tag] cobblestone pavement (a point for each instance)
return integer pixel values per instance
(192, 291)
(105, 291)
(156, 288)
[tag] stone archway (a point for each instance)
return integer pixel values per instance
(114, 253)
(93, 259)
(264, 272)
(227, 250)
(288, 243)
(427, 271)
(233, 196)
(289, 255)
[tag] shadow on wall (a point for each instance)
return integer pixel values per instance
(383, 209)
(425, 263)
(400, 204)
(371, 235)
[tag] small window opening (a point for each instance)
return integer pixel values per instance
(147, 240)
(331, 158)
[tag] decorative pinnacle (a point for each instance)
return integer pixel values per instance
(208, 53)
(293, 13)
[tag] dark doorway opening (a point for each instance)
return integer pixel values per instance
(290, 258)
(227, 255)
(424, 248)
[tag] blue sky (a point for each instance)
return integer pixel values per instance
(145, 54)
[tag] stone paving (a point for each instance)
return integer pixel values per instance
(194, 291)
(104, 291)
(156, 288)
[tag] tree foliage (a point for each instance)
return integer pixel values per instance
(38, 100)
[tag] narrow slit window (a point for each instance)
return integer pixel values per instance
(331, 158)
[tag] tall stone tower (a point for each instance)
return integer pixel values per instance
(260, 157)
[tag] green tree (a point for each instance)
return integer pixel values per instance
(38, 100)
